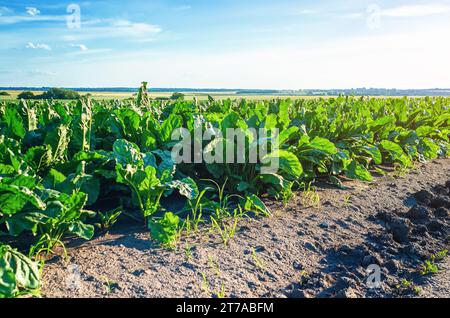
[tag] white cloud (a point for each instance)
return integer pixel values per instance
(82, 47)
(308, 12)
(111, 28)
(13, 19)
(4, 10)
(33, 11)
(183, 8)
(89, 52)
(406, 11)
(136, 29)
(38, 46)
(32, 72)
(40, 73)
(416, 10)
(354, 15)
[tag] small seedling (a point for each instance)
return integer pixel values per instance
(205, 285)
(226, 229)
(186, 226)
(379, 171)
(221, 293)
(197, 212)
(310, 196)
(303, 276)
(429, 268)
(109, 218)
(188, 252)
(347, 200)
(405, 286)
(257, 261)
(46, 246)
(286, 193)
(108, 284)
(400, 171)
(213, 265)
(439, 256)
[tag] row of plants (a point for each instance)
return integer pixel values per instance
(69, 168)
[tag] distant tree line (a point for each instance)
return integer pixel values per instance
(52, 93)
(377, 92)
(177, 96)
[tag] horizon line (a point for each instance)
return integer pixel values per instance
(220, 89)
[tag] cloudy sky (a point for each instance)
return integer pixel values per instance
(284, 44)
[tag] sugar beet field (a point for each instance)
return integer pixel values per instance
(91, 190)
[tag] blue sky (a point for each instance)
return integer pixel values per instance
(282, 44)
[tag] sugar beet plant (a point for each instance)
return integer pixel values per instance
(63, 162)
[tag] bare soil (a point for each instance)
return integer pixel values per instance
(395, 223)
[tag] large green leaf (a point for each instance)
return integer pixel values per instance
(88, 184)
(26, 272)
(286, 134)
(187, 187)
(85, 231)
(13, 198)
(144, 184)
(273, 179)
(53, 179)
(288, 162)
(131, 121)
(323, 145)
(283, 115)
(58, 139)
(24, 221)
(428, 148)
(166, 229)
(14, 122)
(232, 120)
(6, 169)
(172, 123)
(39, 157)
(255, 204)
(271, 122)
(8, 285)
(358, 171)
(395, 152)
(374, 153)
(126, 152)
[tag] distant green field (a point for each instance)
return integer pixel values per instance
(188, 95)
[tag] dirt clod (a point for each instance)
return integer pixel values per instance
(442, 213)
(440, 202)
(300, 293)
(347, 293)
(418, 213)
(393, 266)
(435, 226)
(400, 229)
(424, 196)
(371, 259)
